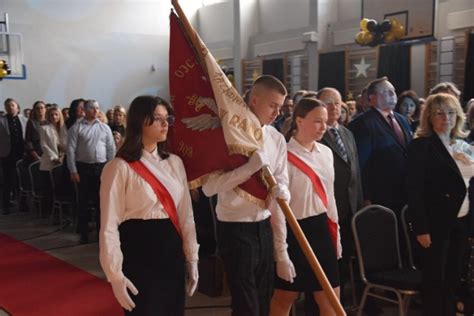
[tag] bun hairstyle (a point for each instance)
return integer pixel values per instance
(302, 108)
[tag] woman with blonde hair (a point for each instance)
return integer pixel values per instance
(53, 139)
(440, 166)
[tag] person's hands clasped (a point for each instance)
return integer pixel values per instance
(193, 277)
(286, 270)
(424, 240)
(119, 287)
(257, 161)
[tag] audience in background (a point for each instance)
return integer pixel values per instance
(118, 122)
(12, 148)
(282, 122)
(65, 113)
(446, 87)
(90, 145)
(102, 117)
(33, 149)
(344, 119)
(351, 105)
(408, 105)
(53, 139)
(298, 96)
(26, 113)
(76, 112)
(109, 115)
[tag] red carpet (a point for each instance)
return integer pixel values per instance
(34, 283)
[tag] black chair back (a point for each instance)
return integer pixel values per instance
(24, 180)
(37, 186)
(61, 185)
(376, 238)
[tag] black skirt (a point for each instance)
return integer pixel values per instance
(316, 230)
(153, 260)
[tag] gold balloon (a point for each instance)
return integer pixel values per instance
(389, 37)
(394, 23)
(3, 73)
(367, 37)
(360, 38)
(363, 24)
(399, 31)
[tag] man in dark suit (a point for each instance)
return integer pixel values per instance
(382, 136)
(347, 185)
(12, 135)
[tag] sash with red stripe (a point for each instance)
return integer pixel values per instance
(161, 192)
(318, 188)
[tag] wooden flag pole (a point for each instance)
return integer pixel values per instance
(305, 247)
(294, 225)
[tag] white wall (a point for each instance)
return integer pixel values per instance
(249, 23)
(216, 23)
(444, 9)
(99, 49)
(282, 15)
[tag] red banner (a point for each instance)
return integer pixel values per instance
(197, 135)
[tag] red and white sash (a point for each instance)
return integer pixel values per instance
(318, 188)
(160, 190)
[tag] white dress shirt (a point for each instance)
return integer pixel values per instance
(50, 142)
(233, 208)
(125, 195)
(305, 202)
(89, 142)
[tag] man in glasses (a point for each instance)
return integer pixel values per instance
(90, 145)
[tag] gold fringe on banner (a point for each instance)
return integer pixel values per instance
(250, 198)
(235, 149)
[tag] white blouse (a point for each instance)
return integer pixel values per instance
(50, 142)
(125, 195)
(304, 200)
(463, 155)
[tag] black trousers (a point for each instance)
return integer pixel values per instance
(88, 187)
(153, 260)
(10, 178)
(247, 251)
(443, 263)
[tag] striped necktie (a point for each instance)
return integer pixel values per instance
(339, 143)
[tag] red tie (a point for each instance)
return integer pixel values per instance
(396, 128)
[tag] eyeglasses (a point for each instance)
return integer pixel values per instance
(443, 113)
(169, 119)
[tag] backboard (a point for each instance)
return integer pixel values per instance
(11, 51)
(417, 16)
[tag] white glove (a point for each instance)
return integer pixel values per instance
(119, 288)
(193, 277)
(280, 192)
(257, 161)
(286, 270)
